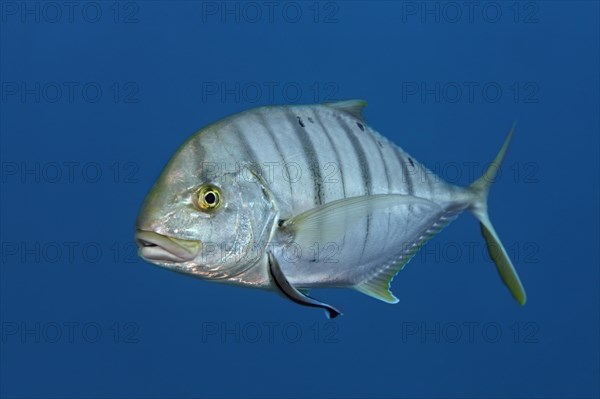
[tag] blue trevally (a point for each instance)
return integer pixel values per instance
(290, 198)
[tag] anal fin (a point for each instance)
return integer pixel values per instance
(378, 285)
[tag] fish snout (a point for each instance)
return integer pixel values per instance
(157, 247)
(145, 222)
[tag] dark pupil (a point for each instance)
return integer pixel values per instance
(210, 198)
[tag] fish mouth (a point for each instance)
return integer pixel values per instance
(157, 247)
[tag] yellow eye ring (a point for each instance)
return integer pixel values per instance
(208, 197)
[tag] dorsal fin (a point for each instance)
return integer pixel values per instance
(352, 107)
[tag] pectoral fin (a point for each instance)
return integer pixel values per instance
(328, 222)
(287, 289)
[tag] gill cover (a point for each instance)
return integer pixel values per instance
(240, 228)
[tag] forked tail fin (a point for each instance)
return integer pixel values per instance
(480, 189)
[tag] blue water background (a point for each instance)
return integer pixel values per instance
(164, 335)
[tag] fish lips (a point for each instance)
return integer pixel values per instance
(157, 247)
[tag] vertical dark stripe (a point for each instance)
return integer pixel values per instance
(338, 159)
(385, 168)
(310, 155)
(265, 123)
(362, 157)
(406, 179)
(387, 179)
(252, 157)
(335, 151)
(431, 178)
(365, 172)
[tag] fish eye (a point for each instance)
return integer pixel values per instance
(208, 197)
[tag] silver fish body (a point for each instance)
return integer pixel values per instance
(313, 188)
